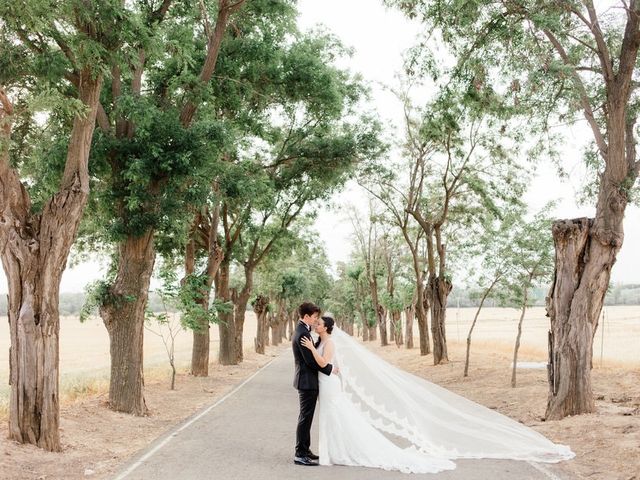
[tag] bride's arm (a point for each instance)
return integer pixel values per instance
(320, 360)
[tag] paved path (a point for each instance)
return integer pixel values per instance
(250, 434)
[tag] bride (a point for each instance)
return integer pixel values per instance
(370, 396)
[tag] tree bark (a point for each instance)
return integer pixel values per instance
(207, 226)
(226, 326)
(422, 307)
(518, 336)
(473, 324)
(409, 316)
(240, 308)
(34, 250)
(123, 313)
(260, 307)
(584, 257)
(396, 326)
(439, 289)
(379, 311)
(365, 327)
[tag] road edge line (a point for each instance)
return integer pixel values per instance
(189, 422)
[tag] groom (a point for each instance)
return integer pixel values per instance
(306, 381)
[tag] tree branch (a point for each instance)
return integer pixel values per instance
(584, 97)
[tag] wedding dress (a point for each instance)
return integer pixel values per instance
(348, 438)
(371, 396)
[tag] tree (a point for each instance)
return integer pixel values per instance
(560, 60)
(367, 241)
(53, 61)
(313, 144)
(534, 264)
(154, 154)
(399, 196)
(495, 247)
(464, 172)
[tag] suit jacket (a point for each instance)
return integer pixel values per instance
(306, 373)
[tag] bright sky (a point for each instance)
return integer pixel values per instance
(379, 37)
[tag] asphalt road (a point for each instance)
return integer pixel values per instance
(250, 434)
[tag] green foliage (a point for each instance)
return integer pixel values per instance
(188, 297)
(545, 61)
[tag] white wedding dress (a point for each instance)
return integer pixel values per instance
(371, 396)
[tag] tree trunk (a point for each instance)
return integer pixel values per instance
(396, 326)
(439, 289)
(290, 322)
(392, 327)
(239, 309)
(260, 307)
(518, 336)
(473, 324)
(422, 307)
(379, 313)
(584, 257)
(123, 313)
(409, 315)
(200, 348)
(34, 251)
(365, 328)
(226, 325)
(207, 227)
(373, 335)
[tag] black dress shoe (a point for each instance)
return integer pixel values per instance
(312, 456)
(304, 461)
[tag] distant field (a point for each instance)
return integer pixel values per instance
(84, 347)
(84, 350)
(621, 342)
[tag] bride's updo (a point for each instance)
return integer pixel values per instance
(329, 322)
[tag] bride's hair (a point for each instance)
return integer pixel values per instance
(328, 323)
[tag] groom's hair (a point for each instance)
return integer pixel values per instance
(308, 308)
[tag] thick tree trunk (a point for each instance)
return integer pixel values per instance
(201, 342)
(380, 316)
(200, 348)
(585, 253)
(226, 325)
(34, 251)
(123, 313)
(207, 228)
(260, 307)
(240, 308)
(439, 289)
(392, 327)
(365, 327)
(291, 322)
(373, 335)
(396, 326)
(409, 315)
(422, 307)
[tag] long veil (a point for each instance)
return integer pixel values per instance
(434, 420)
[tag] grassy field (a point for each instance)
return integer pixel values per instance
(618, 342)
(84, 347)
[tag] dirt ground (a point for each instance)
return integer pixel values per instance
(96, 441)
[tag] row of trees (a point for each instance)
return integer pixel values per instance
(200, 133)
(516, 69)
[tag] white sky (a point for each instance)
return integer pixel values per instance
(379, 37)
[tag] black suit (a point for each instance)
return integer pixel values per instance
(306, 381)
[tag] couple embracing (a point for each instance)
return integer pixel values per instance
(364, 402)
